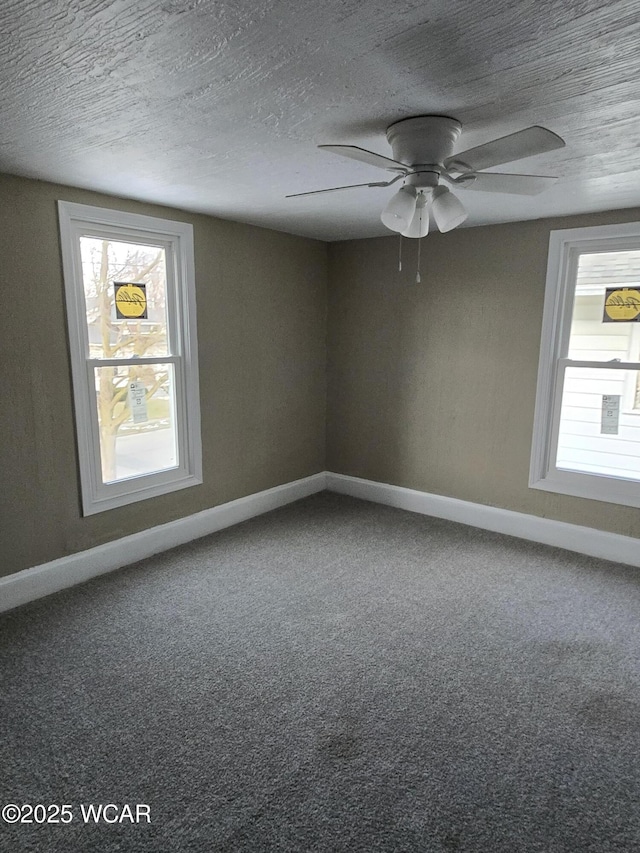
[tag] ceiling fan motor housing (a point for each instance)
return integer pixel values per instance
(423, 140)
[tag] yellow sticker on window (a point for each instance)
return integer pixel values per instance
(621, 305)
(131, 301)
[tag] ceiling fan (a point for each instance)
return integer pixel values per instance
(423, 155)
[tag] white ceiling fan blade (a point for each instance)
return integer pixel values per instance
(516, 146)
(364, 156)
(496, 182)
(347, 187)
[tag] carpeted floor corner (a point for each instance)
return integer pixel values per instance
(331, 676)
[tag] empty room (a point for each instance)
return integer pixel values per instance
(320, 427)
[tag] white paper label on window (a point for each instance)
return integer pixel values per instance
(138, 402)
(610, 414)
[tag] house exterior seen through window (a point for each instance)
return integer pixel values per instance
(131, 308)
(587, 425)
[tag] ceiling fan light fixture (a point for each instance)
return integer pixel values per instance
(448, 211)
(419, 226)
(398, 213)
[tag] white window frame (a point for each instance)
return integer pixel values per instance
(565, 246)
(176, 238)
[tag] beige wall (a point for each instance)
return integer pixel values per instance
(261, 300)
(432, 386)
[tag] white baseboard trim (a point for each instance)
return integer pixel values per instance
(39, 581)
(36, 582)
(583, 540)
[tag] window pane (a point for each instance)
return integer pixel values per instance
(593, 339)
(599, 436)
(125, 290)
(136, 418)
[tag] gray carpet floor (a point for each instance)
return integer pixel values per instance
(332, 676)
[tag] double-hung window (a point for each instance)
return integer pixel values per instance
(130, 295)
(586, 438)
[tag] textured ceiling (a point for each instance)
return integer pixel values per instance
(218, 106)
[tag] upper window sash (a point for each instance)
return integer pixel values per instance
(174, 319)
(78, 220)
(564, 256)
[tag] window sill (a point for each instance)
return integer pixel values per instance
(94, 504)
(594, 487)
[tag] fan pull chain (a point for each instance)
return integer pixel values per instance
(418, 268)
(400, 253)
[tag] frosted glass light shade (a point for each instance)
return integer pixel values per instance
(419, 226)
(448, 211)
(398, 213)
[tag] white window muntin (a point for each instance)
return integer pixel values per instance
(176, 238)
(565, 248)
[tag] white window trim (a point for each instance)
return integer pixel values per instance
(564, 248)
(178, 236)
